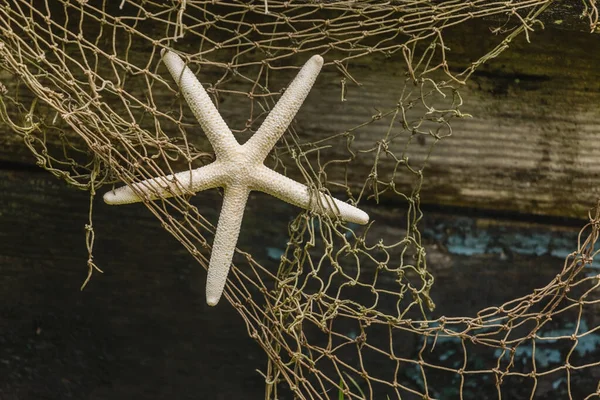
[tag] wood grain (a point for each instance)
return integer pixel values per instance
(532, 146)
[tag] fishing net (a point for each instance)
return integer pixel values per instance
(85, 90)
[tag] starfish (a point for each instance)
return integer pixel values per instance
(237, 168)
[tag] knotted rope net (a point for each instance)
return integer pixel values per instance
(91, 99)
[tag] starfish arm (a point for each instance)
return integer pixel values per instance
(268, 181)
(278, 120)
(228, 231)
(204, 110)
(163, 187)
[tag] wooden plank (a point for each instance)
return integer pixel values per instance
(143, 329)
(531, 147)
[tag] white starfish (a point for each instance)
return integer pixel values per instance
(237, 168)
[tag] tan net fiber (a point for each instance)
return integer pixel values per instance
(84, 87)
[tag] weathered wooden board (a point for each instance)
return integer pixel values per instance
(532, 145)
(142, 329)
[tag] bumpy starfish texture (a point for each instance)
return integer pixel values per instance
(237, 168)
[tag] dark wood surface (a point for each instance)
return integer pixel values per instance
(141, 330)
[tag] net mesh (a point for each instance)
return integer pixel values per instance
(95, 106)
